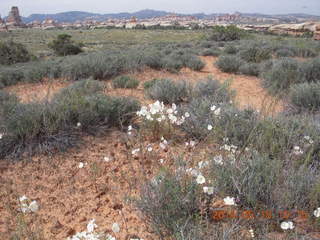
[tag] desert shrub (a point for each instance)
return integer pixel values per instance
(48, 126)
(285, 52)
(200, 117)
(305, 52)
(230, 49)
(207, 44)
(194, 63)
(260, 182)
(281, 75)
(172, 63)
(305, 96)
(7, 103)
(228, 33)
(255, 54)
(153, 59)
(170, 204)
(168, 91)
(229, 63)
(252, 179)
(125, 82)
(82, 88)
(149, 84)
(95, 65)
(215, 52)
(236, 125)
(277, 137)
(229, 122)
(214, 90)
(11, 53)
(310, 70)
(251, 69)
(10, 76)
(63, 46)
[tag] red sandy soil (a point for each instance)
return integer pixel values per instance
(69, 197)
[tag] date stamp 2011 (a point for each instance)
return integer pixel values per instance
(223, 214)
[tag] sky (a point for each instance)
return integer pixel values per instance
(28, 7)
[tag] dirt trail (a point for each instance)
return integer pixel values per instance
(249, 91)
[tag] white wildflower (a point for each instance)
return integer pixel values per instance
(316, 212)
(192, 143)
(135, 151)
(251, 233)
(34, 207)
(23, 198)
(78, 124)
(217, 111)
(162, 146)
(218, 160)
(297, 150)
(106, 159)
(91, 226)
(209, 127)
(213, 108)
(200, 179)
(193, 172)
(149, 148)
(109, 237)
(286, 225)
(208, 190)
(229, 201)
(115, 228)
(309, 139)
(161, 160)
(187, 114)
(81, 165)
(203, 164)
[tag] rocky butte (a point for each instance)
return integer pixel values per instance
(14, 19)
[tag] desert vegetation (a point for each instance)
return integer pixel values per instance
(162, 139)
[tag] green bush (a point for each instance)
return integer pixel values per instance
(214, 90)
(255, 54)
(229, 63)
(168, 91)
(310, 70)
(305, 52)
(305, 96)
(228, 33)
(285, 52)
(251, 69)
(230, 123)
(10, 76)
(215, 52)
(230, 49)
(170, 205)
(63, 46)
(260, 182)
(53, 125)
(11, 53)
(7, 103)
(151, 83)
(194, 63)
(125, 82)
(281, 75)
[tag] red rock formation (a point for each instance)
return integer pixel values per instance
(14, 18)
(317, 33)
